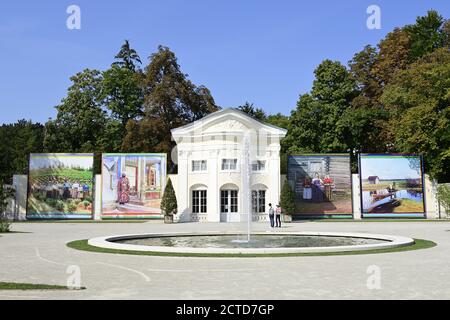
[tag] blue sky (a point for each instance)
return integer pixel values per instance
(263, 52)
(388, 168)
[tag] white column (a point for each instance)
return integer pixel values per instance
(430, 196)
(183, 188)
(356, 192)
(98, 198)
(275, 178)
(213, 187)
(20, 184)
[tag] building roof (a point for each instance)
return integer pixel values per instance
(373, 178)
(221, 117)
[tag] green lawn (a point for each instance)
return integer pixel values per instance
(377, 220)
(82, 221)
(84, 246)
(31, 286)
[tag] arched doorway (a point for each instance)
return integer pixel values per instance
(229, 203)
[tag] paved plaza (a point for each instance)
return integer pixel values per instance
(38, 254)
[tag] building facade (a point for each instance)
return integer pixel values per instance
(228, 167)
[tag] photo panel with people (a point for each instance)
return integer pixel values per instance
(133, 185)
(321, 184)
(392, 185)
(60, 186)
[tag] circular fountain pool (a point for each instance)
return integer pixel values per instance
(260, 243)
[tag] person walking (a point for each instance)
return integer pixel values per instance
(271, 215)
(278, 216)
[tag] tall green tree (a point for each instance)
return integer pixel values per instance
(419, 98)
(170, 101)
(334, 89)
(123, 87)
(127, 57)
(252, 111)
(426, 34)
(394, 54)
(81, 119)
(279, 120)
(17, 141)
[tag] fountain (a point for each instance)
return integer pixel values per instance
(213, 243)
(247, 187)
(244, 241)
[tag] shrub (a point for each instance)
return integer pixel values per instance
(86, 204)
(59, 205)
(169, 201)
(287, 202)
(71, 207)
(4, 226)
(51, 202)
(444, 197)
(5, 195)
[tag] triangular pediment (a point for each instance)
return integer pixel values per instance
(226, 120)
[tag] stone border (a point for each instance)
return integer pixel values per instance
(390, 243)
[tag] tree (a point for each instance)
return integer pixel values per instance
(17, 141)
(303, 135)
(127, 57)
(426, 34)
(279, 120)
(252, 111)
(419, 101)
(170, 101)
(314, 125)
(123, 92)
(81, 120)
(287, 200)
(361, 70)
(446, 33)
(123, 87)
(169, 200)
(394, 54)
(444, 197)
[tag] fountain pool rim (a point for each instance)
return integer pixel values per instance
(389, 242)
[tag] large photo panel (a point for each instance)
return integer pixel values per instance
(321, 184)
(60, 186)
(391, 185)
(133, 185)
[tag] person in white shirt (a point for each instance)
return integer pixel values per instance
(75, 187)
(278, 216)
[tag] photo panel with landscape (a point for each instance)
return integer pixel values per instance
(321, 184)
(391, 185)
(133, 185)
(60, 186)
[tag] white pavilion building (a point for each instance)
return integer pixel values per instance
(228, 165)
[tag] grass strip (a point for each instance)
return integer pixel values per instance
(31, 286)
(84, 246)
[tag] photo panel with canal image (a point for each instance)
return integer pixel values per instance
(321, 184)
(133, 185)
(60, 186)
(391, 185)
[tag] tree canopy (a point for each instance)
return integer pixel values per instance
(393, 96)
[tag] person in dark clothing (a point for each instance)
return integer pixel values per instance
(271, 215)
